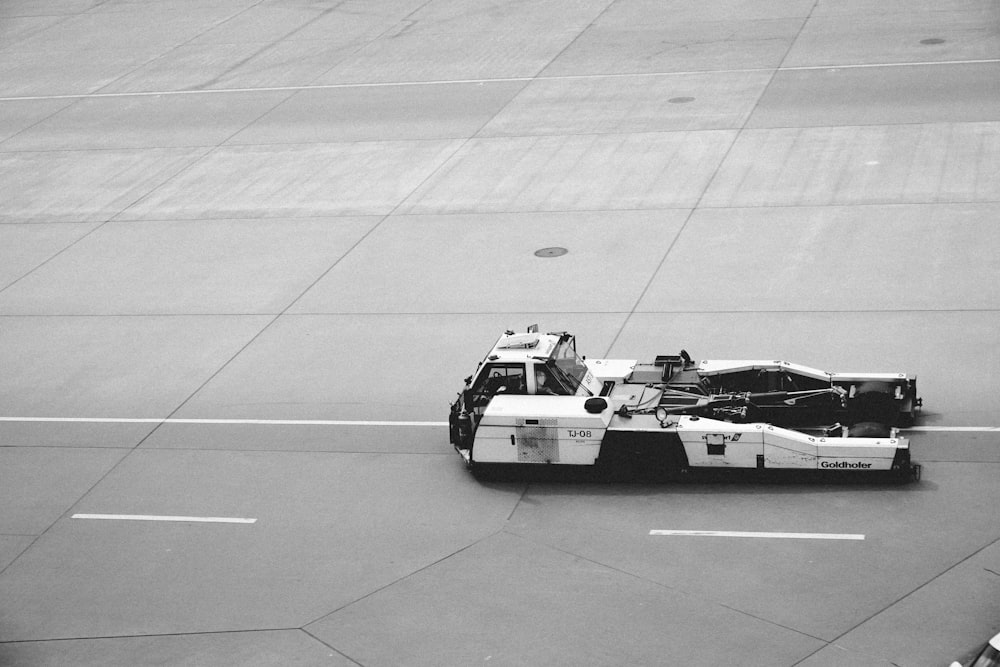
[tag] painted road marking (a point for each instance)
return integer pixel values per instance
(342, 422)
(511, 79)
(785, 536)
(952, 429)
(264, 422)
(153, 517)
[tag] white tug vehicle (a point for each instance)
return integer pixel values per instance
(534, 402)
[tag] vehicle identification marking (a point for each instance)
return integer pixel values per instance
(153, 517)
(580, 434)
(733, 533)
(721, 438)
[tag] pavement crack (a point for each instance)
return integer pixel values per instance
(892, 604)
(660, 584)
(398, 580)
(520, 498)
(331, 647)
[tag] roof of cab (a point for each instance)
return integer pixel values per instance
(519, 347)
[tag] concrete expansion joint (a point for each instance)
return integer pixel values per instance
(329, 646)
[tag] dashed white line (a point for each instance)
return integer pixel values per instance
(154, 517)
(733, 533)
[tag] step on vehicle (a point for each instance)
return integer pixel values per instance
(533, 401)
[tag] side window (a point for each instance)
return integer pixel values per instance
(545, 383)
(495, 379)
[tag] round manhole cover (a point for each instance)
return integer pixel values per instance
(932, 40)
(551, 252)
(680, 100)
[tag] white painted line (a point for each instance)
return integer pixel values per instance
(952, 429)
(346, 422)
(785, 536)
(264, 422)
(510, 79)
(922, 63)
(151, 517)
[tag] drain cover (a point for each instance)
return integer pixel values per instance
(551, 252)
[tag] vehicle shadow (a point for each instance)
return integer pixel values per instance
(587, 480)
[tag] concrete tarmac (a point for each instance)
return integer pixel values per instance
(250, 248)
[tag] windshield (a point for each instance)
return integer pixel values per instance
(567, 366)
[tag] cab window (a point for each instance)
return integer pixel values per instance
(496, 379)
(546, 382)
(566, 366)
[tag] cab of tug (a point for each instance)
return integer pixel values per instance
(532, 364)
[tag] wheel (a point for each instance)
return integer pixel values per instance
(869, 430)
(874, 402)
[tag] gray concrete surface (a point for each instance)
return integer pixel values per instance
(311, 219)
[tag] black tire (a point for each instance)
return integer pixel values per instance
(874, 402)
(869, 430)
